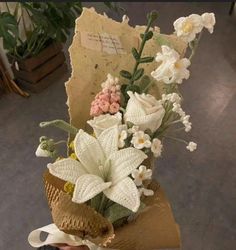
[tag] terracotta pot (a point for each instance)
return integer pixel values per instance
(38, 72)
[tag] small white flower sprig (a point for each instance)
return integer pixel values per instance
(140, 175)
(173, 69)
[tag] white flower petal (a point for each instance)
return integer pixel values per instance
(123, 162)
(89, 152)
(135, 173)
(124, 193)
(67, 169)
(88, 186)
(109, 140)
(102, 122)
(42, 152)
(144, 111)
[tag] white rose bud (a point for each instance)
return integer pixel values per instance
(42, 152)
(102, 122)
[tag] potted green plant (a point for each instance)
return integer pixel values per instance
(33, 34)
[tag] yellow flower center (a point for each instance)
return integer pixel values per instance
(141, 176)
(187, 27)
(177, 65)
(72, 145)
(69, 188)
(141, 140)
(73, 156)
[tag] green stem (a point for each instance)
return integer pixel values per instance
(148, 86)
(175, 139)
(61, 125)
(178, 129)
(144, 40)
(102, 204)
(196, 44)
(8, 9)
(59, 142)
(173, 122)
(40, 45)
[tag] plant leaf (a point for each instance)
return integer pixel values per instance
(133, 88)
(147, 59)
(135, 53)
(8, 30)
(149, 35)
(117, 212)
(126, 74)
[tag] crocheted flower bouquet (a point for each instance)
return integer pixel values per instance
(123, 102)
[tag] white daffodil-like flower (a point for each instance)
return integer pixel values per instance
(141, 175)
(187, 27)
(144, 110)
(208, 21)
(145, 192)
(156, 147)
(141, 140)
(102, 122)
(192, 146)
(172, 69)
(101, 168)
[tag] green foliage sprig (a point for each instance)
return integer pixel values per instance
(137, 72)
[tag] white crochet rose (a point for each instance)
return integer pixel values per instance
(144, 111)
(102, 122)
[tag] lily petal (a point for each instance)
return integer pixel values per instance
(67, 169)
(123, 162)
(87, 186)
(89, 152)
(109, 140)
(124, 193)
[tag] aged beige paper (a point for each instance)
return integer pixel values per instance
(91, 63)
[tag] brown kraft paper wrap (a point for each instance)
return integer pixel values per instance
(91, 60)
(153, 228)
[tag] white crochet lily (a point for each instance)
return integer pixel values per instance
(102, 168)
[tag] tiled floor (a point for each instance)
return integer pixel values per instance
(201, 186)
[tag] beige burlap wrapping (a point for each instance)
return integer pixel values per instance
(153, 228)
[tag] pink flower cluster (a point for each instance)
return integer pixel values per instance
(106, 101)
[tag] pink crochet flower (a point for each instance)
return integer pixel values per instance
(104, 106)
(95, 110)
(114, 107)
(107, 100)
